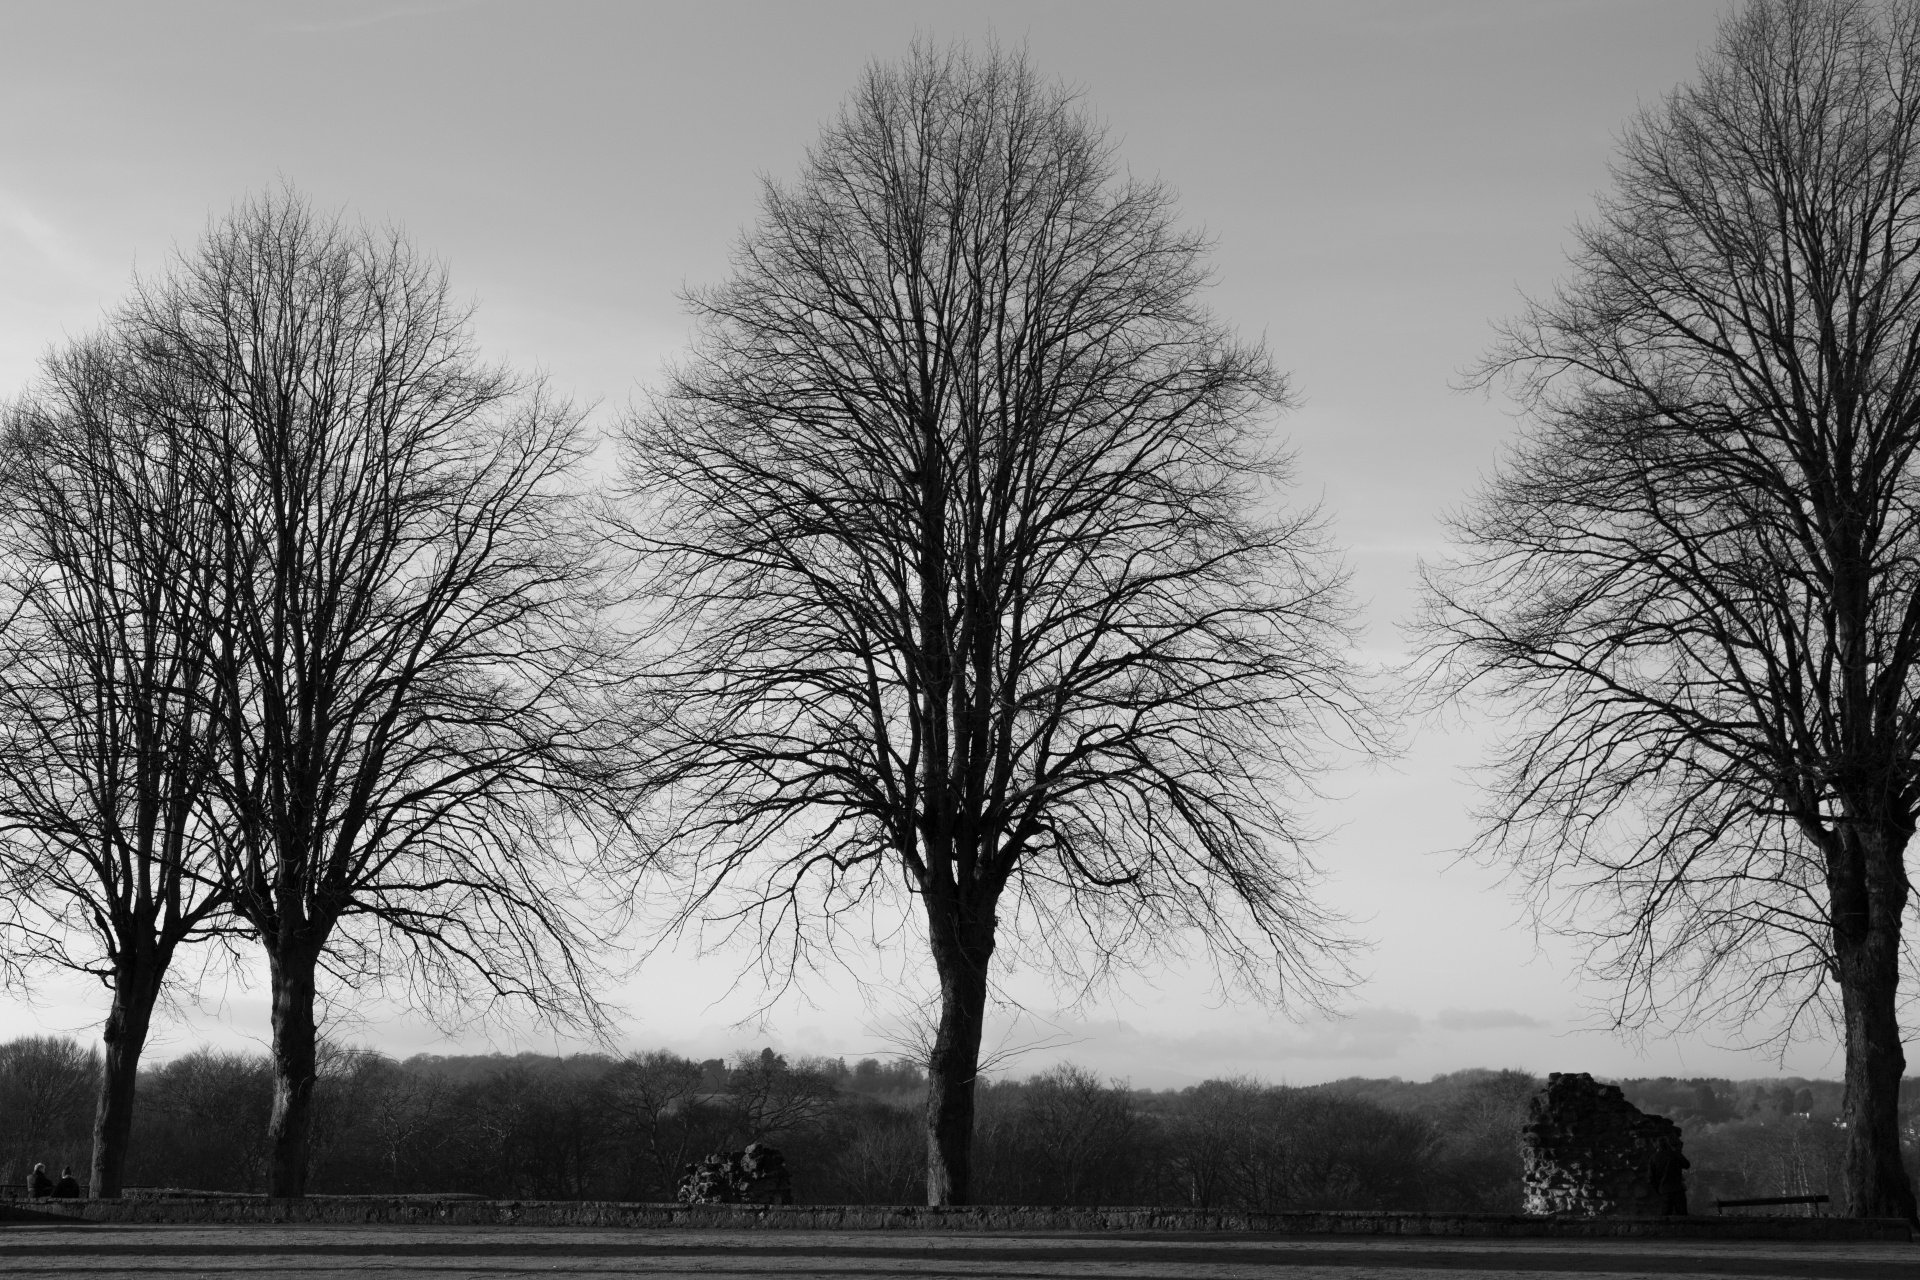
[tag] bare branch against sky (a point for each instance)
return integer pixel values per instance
(109, 842)
(1696, 580)
(1375, 178)
(976, 579)
(409, 659)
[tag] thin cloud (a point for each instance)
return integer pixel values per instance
(1370, 1035)
(45, 241)
(388, 13)
(1485, 1020)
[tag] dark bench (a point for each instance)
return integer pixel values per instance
(1720, 1206)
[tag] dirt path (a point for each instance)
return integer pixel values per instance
(363, 1253)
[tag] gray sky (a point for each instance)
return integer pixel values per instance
(1384, 178)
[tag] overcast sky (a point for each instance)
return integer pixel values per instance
(1384, 179)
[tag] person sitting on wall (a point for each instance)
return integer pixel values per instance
(67, 1188)
(38, 1183)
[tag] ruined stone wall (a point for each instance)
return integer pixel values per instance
(757, 1175)
(1589, 1151)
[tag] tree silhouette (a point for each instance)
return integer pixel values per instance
(410, 655)
(961, 523)
(1697, 580)
(109, 842)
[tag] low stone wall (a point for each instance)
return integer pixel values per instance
(428, 1211)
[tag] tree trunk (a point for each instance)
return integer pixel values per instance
(136, 985)
(954, 1066)
(1868, 900)
(290, 1128)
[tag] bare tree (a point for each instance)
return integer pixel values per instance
(656, 1095)
(410, 650)
(1203, 1134)
(404, 1109)
(44, 1085)
(1078, 1126)
(1697, 578)
(960, 519)
(111, 845)
(767, 1096)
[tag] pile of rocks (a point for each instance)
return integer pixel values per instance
(757, 1175)
(1589, 1151)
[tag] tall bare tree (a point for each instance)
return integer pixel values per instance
(111, 845)
(1697, 578)
(959, 513)
(410, 651)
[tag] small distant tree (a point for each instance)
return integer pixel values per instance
(1338, 1152)
(408, 1118)
(109, 844)
(1204, 1132)
(46, 1083)
(1696, 581)
(1479, 1156)
(965, 534)
(409, 652)
(878, 1153)
(767, 1097)
(204, 1123)
(656, 1099)
(1082, 1130)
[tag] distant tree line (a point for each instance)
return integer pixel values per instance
(593, 1126)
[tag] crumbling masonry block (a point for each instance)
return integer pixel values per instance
(1588, 1151)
